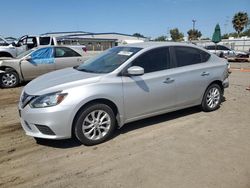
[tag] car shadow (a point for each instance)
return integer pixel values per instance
(155, 120)
(63, 144)
(70, 143)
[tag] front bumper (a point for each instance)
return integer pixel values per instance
(50, 123)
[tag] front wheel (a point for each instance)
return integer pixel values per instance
(9, 79)
(95, 124)
(212, 98)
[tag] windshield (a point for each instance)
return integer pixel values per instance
(24, 54)
(108, 60)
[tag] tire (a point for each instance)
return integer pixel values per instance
(9, 79)
(212, 98)
(94, 124)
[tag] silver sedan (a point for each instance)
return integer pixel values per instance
(38, 61)
(121, 85)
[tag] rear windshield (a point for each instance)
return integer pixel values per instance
(109, 60)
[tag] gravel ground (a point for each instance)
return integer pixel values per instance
(187, 148)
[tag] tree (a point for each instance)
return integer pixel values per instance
(161, 38)
(176, 35)
(240, 21)
(246, 33)
(138, 35)
(225, 36)
(194, 34)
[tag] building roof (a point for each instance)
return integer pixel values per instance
(79, 38)
(65, 32)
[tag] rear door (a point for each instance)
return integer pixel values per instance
(192, 74)
(41, 61)
(66, 57)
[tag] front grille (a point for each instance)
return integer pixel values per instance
(26, 98)
(44, 129)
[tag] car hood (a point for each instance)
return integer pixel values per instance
(5, 58)
(8, 61)
(60, 80)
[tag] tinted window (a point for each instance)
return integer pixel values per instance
(44, 40)
(204, 56)
(153, 60)
(189, 56)
(65, 52)
(222, 47)
(210, 47)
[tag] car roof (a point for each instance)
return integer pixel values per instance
(145, 45)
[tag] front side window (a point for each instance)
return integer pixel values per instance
(189, 56)
(65, 52)
(109, 60)
(154, 60)
(43, 56)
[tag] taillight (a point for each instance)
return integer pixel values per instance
(84, 49)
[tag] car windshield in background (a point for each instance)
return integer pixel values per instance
(108, 60)
(24, 54)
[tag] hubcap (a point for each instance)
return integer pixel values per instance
(9, 79)
(213, 97)
(96, 124)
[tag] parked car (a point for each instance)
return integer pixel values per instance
(123, 84)
(224, 51)
(38, 61)
(26, 43)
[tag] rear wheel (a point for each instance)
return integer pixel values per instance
(212, 98)
(95, 124)
(9, 79)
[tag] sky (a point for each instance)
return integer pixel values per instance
(151, 18)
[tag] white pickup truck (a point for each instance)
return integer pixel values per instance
(23, 44)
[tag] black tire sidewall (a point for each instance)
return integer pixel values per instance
(80, 118)
(204, 105)
(9, 72)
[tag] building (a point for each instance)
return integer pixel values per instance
(96, 41)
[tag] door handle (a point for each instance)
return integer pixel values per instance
(205, 73)
(168, 80)
(79, 59)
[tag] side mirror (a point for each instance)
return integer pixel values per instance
(13, 44)
(135, 71)
(28, 58)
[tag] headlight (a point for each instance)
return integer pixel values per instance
(48, 100)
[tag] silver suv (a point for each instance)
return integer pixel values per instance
(121, 85)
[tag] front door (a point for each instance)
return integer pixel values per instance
(40, 62)
(152, 92)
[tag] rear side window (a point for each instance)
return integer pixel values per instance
(153, 60)
(222, 47)
(190, 56)
(44, 40)
(210, 47)
(65, 52)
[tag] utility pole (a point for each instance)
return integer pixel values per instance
(193, 24)
(226, 24)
